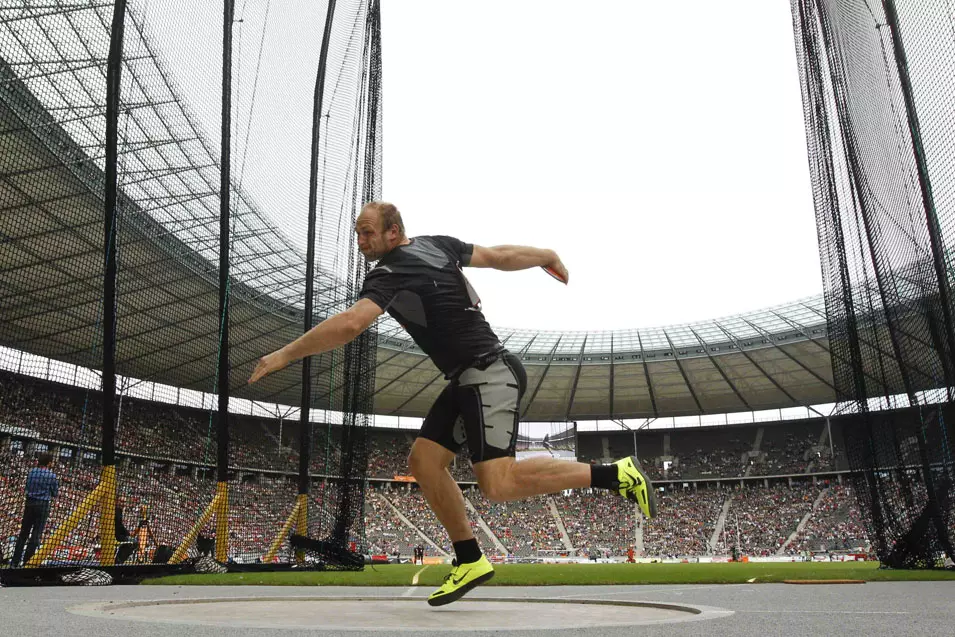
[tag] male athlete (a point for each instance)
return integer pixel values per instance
(420, 283)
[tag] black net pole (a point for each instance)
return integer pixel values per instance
(222, 369)
(305, 431)
(113, 78)
(946, 342)
(107, 484)
(359, 368)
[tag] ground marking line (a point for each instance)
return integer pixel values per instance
(414, 580)
(638, 590)
(407, 593)
(830, 612)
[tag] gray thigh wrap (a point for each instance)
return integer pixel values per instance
(499, 395)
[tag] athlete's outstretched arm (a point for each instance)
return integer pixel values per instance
(333, 332)
(510, 258)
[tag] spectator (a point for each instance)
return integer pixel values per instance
(42, 487)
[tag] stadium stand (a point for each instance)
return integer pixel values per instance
(597, 521)
(685, 522)
(761, 519)
(263, 489)
(787, 450)
(524, 527)
(413, 505)
(712, 452)
(385, 532)
(836, 524)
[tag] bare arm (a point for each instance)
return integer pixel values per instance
(331, 333)
(510, 258)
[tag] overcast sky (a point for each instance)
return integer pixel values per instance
(658, 147)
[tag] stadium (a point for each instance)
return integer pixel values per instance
(179, 187)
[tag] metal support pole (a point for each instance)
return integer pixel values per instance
(107, 485)
(113, 81)
(225, 217)
(946, 349)
(832, 450)
(305, 428)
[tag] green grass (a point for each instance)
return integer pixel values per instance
(573, 574)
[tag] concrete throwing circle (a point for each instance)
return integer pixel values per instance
(394, 614)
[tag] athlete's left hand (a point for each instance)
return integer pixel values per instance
(268, 364)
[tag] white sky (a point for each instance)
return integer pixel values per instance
(658, 147)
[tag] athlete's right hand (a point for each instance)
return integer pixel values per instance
(268, 364)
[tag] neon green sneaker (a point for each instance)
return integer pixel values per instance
(633, 484)
(461, 579)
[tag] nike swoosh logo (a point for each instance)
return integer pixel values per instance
(631, 482)
(460, 579)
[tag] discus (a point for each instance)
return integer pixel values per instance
(551, 271)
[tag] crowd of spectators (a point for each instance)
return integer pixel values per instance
(388, 455)
(71, 415)
(826, 459)
(524, 527)
(722, 452)
(597, 521)
(413, 506)
(386, 534)
(685, 522)
(761, 519)
(162, 450)
(835, 525)
(711, 462)
(170, 504)
(786, 456)
(68, 415)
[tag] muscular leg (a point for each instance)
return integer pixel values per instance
(505, 479)
(429, 465)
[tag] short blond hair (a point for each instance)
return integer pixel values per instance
(388, 215)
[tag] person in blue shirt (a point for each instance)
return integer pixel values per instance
(41, 488)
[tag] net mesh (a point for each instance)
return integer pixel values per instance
(166, 496)
(877, 88)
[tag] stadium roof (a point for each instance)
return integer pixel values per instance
(50, 279)
(51, 276)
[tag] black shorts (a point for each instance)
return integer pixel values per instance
(480, 406)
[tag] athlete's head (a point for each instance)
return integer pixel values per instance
(380, 229)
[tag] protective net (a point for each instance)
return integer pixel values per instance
(877, 92)
(206, 220)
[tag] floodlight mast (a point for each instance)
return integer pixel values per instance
(646, 423)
